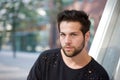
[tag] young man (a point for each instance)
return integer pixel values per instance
(71, 61)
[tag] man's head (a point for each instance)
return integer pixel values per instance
(74, 15)
(74, 31)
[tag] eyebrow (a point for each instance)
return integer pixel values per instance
(70, 33)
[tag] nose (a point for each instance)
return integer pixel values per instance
(67, 39)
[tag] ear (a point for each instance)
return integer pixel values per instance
(87, 36)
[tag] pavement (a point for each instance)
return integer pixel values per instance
(16, 68)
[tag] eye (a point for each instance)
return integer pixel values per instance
(62, 34)
(73, 34)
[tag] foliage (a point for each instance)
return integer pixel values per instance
(18, 12)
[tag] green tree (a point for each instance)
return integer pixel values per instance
(19, 14)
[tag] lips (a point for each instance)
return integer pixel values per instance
(68, 48)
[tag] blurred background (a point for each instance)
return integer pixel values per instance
(28, 27)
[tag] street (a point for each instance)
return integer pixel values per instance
(16, 68)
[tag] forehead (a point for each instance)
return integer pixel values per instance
(71, 25)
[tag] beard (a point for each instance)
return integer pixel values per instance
(75, 50)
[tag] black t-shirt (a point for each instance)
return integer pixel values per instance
(50, 66)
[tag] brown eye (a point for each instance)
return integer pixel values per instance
(62, 35)
(73, 34)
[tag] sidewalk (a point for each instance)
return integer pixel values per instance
(16, 68)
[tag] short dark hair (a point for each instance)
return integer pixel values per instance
(74, 15)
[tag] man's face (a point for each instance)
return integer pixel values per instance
(71, 38)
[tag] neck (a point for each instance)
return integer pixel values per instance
(78, 61)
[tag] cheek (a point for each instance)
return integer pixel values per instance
(61, 41)
(78, 41)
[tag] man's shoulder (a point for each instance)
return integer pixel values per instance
(50, 53)
(52, 50)
(98, 69)
(48, 56)
(96, 65)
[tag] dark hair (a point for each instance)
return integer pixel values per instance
(74, 15)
